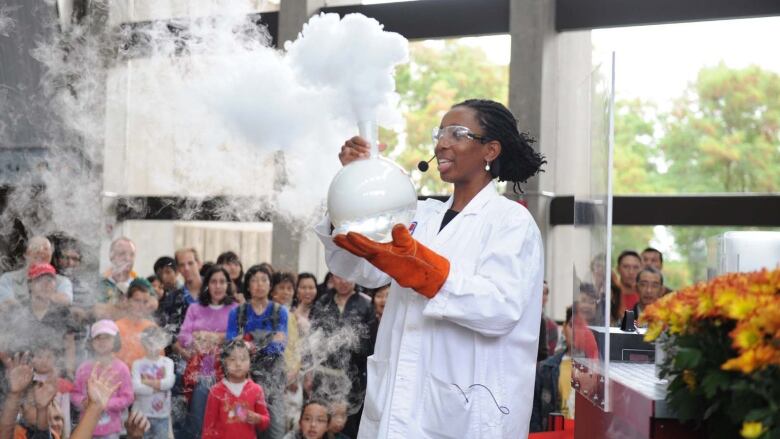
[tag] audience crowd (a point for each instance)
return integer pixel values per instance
(217, 350)
(195, 349)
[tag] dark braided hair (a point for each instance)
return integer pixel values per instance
(518, 161)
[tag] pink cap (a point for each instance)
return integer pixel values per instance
(37, 270)
(104, 327)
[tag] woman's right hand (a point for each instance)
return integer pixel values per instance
(356, 148)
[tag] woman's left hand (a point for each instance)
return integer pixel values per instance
(404, 259)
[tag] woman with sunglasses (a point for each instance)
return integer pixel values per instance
(456, 348)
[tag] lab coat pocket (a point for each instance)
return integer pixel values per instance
(376, 388)
(446, 410)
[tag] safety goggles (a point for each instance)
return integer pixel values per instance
(455, 133)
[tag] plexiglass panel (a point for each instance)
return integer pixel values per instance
(592, 219)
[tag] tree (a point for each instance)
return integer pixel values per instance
(722, 135)
(437, 77)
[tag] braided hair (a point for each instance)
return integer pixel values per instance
(518, 161)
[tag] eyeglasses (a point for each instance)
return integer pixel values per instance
(456, 133)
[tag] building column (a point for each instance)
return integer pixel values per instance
(286, 239)
(547, 73)
(292, 16)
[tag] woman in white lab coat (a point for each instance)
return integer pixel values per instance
(456, 349)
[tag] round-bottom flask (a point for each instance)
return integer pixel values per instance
(370, 197)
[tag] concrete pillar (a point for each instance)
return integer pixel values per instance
(546, 74)
(292, 15)
(286, 241)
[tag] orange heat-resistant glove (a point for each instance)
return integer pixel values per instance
(404, 259)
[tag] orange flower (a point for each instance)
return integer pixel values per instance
(690, 379)
(746, 336)
(751, 360)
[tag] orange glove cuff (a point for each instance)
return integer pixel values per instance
(404, 259)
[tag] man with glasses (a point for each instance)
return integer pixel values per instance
(650, 283)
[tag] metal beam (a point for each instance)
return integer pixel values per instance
(425, 19)
(592, 14)
(746, 210)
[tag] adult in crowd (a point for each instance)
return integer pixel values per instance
(201, 335)
(305, 296)
(121, 254)
(303, 303)
(552, 388)
(40, 314)
(66, 259)
(378, 301)
(629, 264)
(13, 285)
(173, 309)
(263, 324)
(465, 289)
(345, 317)
(650, 283)
(282, 291)
(550, 327)
(233, 265)
(173, 306)
(584, 342)
(652, 257)
(326, 285)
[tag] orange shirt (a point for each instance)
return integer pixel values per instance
(130, 333)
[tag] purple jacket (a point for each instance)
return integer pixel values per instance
(203, 318)
(111, 420)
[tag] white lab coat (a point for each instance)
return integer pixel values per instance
(481, 328)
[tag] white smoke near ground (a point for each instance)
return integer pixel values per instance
(7, 23)
(198, 106)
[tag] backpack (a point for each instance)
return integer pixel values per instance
(242, 317)
(268, 370)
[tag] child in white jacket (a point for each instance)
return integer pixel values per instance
(153, 379)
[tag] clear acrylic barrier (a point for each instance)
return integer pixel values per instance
(591, 246)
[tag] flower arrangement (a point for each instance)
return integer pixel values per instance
(723, 350)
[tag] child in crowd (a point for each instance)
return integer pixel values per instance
(153, 379)
(104, 343)
(313, 423)
(338, 419)
(236, 405)
(30, 399)
(44, 362)
(137, 318)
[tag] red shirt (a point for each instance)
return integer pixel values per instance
(629, 300)
(584, 341)
(226, 413)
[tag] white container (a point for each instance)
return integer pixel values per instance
(370, 197)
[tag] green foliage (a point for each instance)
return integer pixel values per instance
(438, 76)
(721, 135)
(700, 391)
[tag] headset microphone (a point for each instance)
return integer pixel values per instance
(423, 166)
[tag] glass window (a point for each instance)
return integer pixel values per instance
(687, 250)
(696, 106)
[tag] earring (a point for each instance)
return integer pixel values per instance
(487, 166)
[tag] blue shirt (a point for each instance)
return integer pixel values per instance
(263, 323)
